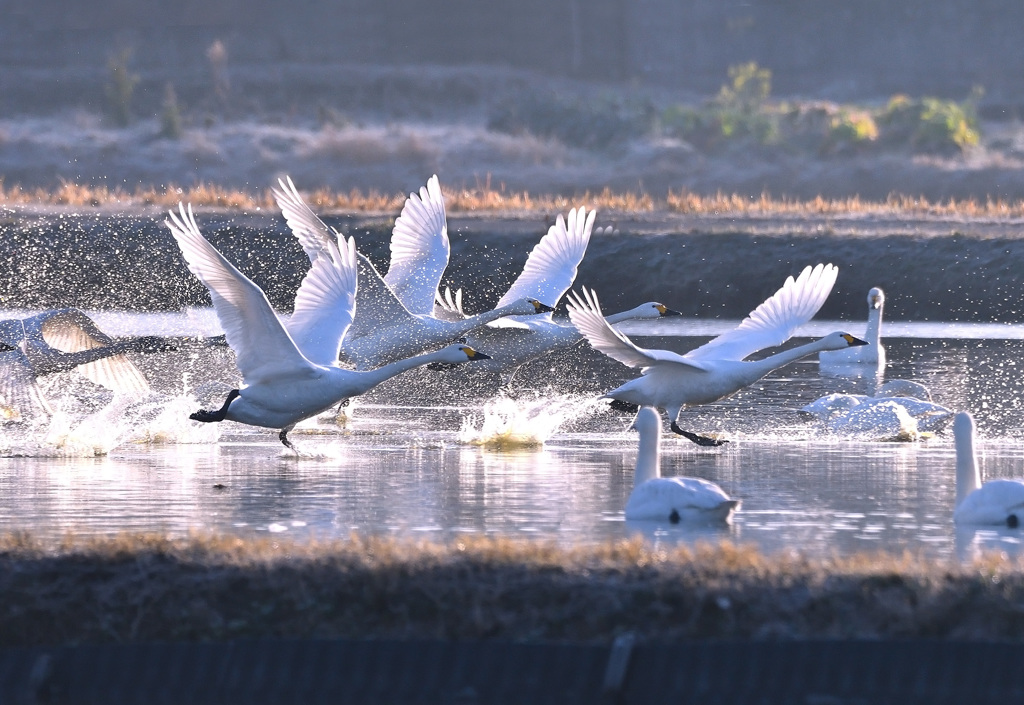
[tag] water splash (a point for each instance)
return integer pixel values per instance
(509, 424)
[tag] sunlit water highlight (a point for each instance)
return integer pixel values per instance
(437, 455)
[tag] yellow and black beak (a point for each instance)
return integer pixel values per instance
(852, 341)
(541, 308)
(474, 354)
(664, 310)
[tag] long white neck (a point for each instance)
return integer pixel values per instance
(57, 361)
(762, 367)
(620, 317)
(371, 378)
(648, 462)
(872, 334)
(479, 319)
(968, 478)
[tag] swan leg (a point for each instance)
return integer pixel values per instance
(283, 435)
(697, 438)
(218, 415)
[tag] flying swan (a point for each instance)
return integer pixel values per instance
(995, 503)
(673, 499)
(290, 371)
(718, 368)
(60, 340)
(396, 315)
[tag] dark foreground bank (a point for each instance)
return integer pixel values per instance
(938, 269)
(143, 588)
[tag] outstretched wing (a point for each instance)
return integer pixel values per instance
(313, 233)
(262, 346)
(551, 266)
(20, 395)
(326, 303)
(774, 321)
(419, 249)
(585, 314)
(69, 330)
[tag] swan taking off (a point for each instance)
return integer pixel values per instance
(396, 315)
(549, 272)
(673, 499)
(66, 339)
(290, 372)
(871, 354)
(718, 368)
(995, 503)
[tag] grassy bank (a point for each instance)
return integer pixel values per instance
(485, 199)
(146, 588)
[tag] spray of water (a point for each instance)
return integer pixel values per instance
(508, 424)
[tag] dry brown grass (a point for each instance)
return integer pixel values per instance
(485, 199)
(148, 587)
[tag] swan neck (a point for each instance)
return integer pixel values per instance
(968, 478)
(873, 332)
(780, 359)
(374, 377)
(648, 461)
(619, 317)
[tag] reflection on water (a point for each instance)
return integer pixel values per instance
(407, 464)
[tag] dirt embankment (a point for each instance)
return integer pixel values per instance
(707, 266)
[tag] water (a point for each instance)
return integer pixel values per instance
(435, 455)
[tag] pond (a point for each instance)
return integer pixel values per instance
(441, 454)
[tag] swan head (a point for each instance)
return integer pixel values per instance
(455, 354)
(650, 310)
(647, 421)
(528, 306)
(876, 298)
(841, 341)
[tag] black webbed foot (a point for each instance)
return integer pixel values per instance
(697, 438)
(207, 416)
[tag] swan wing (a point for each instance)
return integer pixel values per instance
(313, 234)
(448, 307)
(774, 321)
(263, 348)
(20, 395)
(585, 314)
(419, 249)
(325, 304)
(551, 266)
(377, 307)
(69, 330)
(657, 498)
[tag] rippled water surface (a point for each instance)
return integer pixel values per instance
(440, 454)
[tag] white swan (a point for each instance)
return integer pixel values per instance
(871, 354)
(673, 499)
(66, 339)
(997, 502)
(549, 271)
(716, 369)
(395, 313)
(290, 371)
(900, 408)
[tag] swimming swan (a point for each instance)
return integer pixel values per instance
(396, 315)
(66, 339)
(716, 369)
(290, 371)
(995, 503)
(871, 354)
(674, 499)
(549, 272)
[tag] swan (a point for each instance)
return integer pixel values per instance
(718, 368)
(675, 499)
(871, 354)
(878, 414)
(396, 315)
(549, 272)
(290, 372)
(66, 339)
(997, 502)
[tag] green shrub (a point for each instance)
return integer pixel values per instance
(930, 124)
(120, 88)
